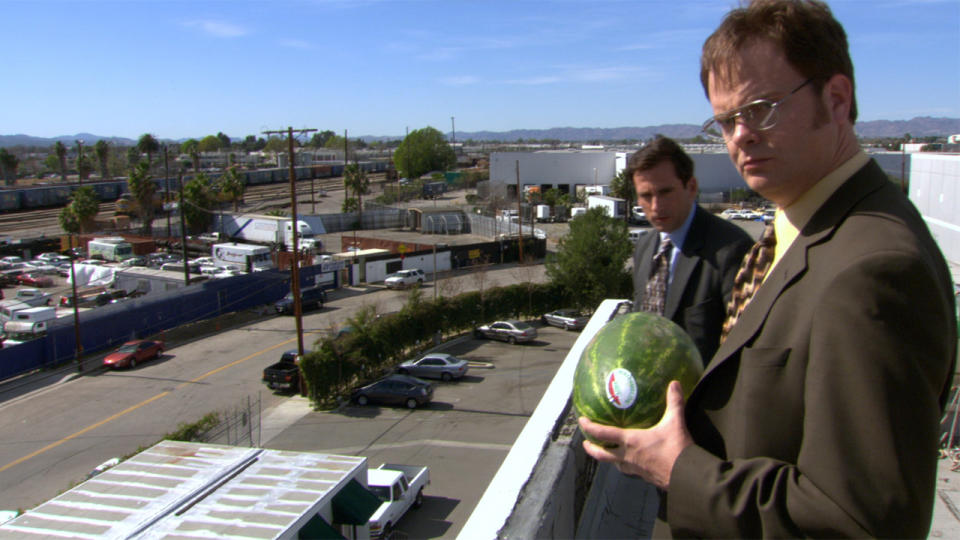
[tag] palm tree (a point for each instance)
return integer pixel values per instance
(355, 180)
(61, 151)
(191, 147)
(142, 188)
(9, 164)
(148, 145)
(102, 150)
(231, 187)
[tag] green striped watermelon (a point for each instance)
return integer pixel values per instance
(624, 371)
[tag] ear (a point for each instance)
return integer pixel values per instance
(692, 186)
(838, 93)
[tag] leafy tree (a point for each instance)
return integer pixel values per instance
(319, 140)
(231, 187)
(101, 149)
(51, 163)
(355, 180)
(148, 145)
(78, 216)
(68, 220)
(350, 204)
(133, 156)
(84, 167)
(224, 139)
(9, 164)
(590, 261)
(142, 189)
(422, 151)
(61, 151)
(622, 187)
(198, 198)
(252, 144)
(191, 147)
(210, 143)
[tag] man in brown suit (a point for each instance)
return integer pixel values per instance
(819, 413)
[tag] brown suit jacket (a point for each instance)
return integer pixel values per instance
(819, 415)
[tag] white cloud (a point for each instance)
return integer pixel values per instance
(535, 81)
(459, 80)
(218, 28)
(296, 44)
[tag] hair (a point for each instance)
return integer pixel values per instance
(812, 40)
(660, 150)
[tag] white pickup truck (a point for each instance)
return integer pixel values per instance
(399, 487)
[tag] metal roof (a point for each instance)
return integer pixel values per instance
(191, 490)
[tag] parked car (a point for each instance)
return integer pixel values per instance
(395, 390)
(5, 262)
(405, 278)
(568, 319)
(35, 279)
(435, 366)
(132, 352)
(509, 331)
(310, 297)
(51, 257)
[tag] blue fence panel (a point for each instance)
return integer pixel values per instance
(110, 325)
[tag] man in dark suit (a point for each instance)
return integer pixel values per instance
(703, 254)
(819, 413)
(683, 270)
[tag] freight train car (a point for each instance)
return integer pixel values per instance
(28, 198)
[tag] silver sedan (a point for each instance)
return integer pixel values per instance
(568, 319)
(509, 331)
(437, 366)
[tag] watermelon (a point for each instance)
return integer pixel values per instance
(623, 373)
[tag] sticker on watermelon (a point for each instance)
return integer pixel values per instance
(623, 373)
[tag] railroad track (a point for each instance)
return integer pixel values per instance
(259, 198)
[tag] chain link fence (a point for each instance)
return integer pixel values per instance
(239, 425)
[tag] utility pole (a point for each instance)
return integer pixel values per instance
(166, 195)
(79, 161)
(183, 233)
(78, 346)
(453, 130)
(519, 216)
(294, 231)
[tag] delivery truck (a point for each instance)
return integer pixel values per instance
(111, 248)
(267, 230)
(248, 257)
(614, 207)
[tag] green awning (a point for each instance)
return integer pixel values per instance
(354, 504)
(317, 528)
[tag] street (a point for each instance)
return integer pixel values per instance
(55, 436)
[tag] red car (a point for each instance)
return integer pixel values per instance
(36, 280)
(132, 352)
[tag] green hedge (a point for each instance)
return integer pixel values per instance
(338, 364)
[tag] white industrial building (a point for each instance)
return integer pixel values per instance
(935, 190)
(565, 170)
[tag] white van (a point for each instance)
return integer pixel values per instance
(27, 324)
(9, 308)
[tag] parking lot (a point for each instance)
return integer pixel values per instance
(462, 436)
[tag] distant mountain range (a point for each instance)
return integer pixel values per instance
(923, 126)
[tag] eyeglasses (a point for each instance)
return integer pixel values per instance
(759, 115)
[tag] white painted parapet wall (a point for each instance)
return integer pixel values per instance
(500, 499)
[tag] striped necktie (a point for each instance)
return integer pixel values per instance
(749, 277)
(655, 295)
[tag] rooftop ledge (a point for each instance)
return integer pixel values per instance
(542, 489)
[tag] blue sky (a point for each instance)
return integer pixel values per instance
(181, 69)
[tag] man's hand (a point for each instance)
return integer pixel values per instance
(648, 453)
